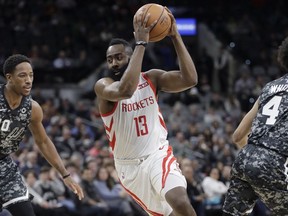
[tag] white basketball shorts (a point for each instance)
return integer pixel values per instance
(147, 179)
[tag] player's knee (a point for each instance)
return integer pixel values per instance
(178, 199)
(179, 203)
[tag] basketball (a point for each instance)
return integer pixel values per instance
(163, 25)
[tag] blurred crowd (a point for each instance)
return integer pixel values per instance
(200, 123)
(70, 35)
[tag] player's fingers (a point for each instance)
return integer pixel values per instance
(152, 25)
(140, 17)
(146, 18)
(78, 191)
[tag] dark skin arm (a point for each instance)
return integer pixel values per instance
(240, 135)
(48, 149)
(109, 90)
(176, 80)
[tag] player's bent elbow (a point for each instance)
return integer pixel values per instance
(239, 140)
(193, 81)
(190, 81)
(236, 138)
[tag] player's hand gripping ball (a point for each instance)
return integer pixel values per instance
(163, 25)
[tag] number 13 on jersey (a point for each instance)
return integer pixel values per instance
(141, 125)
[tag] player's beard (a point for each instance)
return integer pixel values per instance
(116, 74)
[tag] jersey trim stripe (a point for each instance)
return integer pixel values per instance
(150, 83)
(138, 200)
(162, 123)
(112, 143)
(166, 171)
(108, 129)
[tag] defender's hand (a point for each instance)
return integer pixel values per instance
(74, 187)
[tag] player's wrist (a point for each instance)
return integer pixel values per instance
(141, 43)
(66, 176)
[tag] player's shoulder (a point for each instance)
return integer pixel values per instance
(153, 74)
(104, 81)
(37, 112)
(35, 105)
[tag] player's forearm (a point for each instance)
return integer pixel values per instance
(186, 64)
(130, 79)
(50, 153)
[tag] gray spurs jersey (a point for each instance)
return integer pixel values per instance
(13, 123)
(270, 127)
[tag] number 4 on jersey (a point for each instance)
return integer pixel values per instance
(271, 109)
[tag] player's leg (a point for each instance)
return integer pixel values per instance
(136, 181)
(21, 209)
(240, 199)
(174, 192)
(275, 200)
(179, 201)
(272, 186)
(170, 184)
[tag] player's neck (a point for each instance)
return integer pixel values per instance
(12, 97)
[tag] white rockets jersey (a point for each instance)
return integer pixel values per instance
(135, 127)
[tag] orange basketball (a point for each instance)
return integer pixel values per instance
(163, 25)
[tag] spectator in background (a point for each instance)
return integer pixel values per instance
(50, 190)
(194, 190)
(194, 187)
(225, 175)
(31, 163)
(92, 204)
(65, 143)
(41, 206)
(221, 73)
(244, 86)
(214, 190)
(62, 61)
(111, 191)
(66, 107)
(80, 129)
(232, 106)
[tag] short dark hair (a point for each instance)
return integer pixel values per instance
(126, 44)
(116, 41)
(12, 61)
(283, 54)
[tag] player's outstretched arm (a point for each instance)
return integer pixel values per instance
(48, 149)
(240, 135)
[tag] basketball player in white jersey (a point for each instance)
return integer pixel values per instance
(136, 130)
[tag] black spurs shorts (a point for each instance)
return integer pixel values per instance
(258, 173)
(12, 186)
